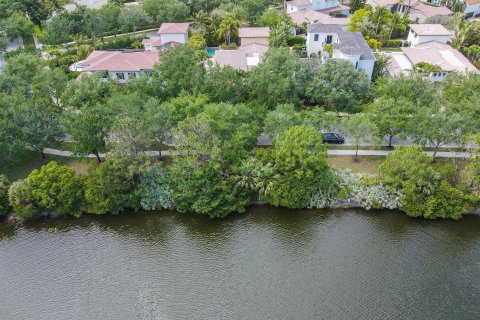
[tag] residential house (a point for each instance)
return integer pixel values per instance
(120, 65)
(254, 35)
(472, 9)
(323, 6)
(245, 58)
(306, 17)
(347, 45)
(421, 33)
(169, 35)
(418, 11)
(440, 55)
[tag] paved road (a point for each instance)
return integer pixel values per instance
(440, 154)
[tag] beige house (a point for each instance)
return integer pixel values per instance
(254, 35)
(245, 58)
(441, 55)
(417, 10)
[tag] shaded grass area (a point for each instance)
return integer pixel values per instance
(33, 161)
(365, 164)
(369, 164)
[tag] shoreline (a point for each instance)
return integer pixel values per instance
(13, 220)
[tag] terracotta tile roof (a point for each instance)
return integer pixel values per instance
(235, 58)
(440, 54)
(430, 30)
(383, 3)
(154, 41)
(431, 11)
(252, 48)
(167, 28)
(300, 3)
(127, 61)
(263, 32)
(472, 1)
(311, 16)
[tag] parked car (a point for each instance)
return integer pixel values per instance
(333, 138)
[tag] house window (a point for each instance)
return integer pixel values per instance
(104, 74)
(132, 75)
(120, 75)
(315, 38)
(356, 65)
(329, 39)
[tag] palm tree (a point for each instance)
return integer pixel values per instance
(228, 28)
(201, 21)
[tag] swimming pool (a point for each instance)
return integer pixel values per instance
(211, 51)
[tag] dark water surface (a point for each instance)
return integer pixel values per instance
(266, 264)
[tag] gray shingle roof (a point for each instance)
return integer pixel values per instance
(351, 42)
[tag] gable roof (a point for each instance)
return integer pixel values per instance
(262, 32)
(354, 43)
(430, 30)
(169, 28)
(128, 61)
(300, 3)
(324, 28)
(235, 58)
(431, 11)
(252, 48)
(311, 16)
(472, 1)
(440, 54)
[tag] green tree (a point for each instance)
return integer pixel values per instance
(356, 5)
(111, 186)
(228, 28)
(89, 127)
(279, 34)
(380, 66)
(390, 117)
(17, 25)
(166, 10)
(273, 81)
(338, 85)
(280, 120)
(4, 185)
(224, 85)
(57, 188)
(132, 17)
(178, 71)
(358, 128)
(299, 159)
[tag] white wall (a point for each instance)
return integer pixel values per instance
(177, 37)
(415, 39)
(472, 8)
(367, 66)
(323, 4)
(316, 46)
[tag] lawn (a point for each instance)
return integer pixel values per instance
(34, 161)
(365, 164)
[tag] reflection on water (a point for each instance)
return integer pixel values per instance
(267, 264)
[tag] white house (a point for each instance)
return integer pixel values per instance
(472, 9)
(120, 65)
(441, 55)
(347, 45)
(169, 35)
(324, 6)
(421, 33)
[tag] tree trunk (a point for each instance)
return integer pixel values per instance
(435, 153)
(43, 155)
(356, 154)
(98, 156)
(390, 141)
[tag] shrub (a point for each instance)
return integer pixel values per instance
(231, 46)
(296, 40)
(21, 200)
(155, 190)
(4, 184)
(392, 44)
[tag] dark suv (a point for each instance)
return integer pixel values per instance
(333, 138)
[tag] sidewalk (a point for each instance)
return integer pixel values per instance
(336, 152)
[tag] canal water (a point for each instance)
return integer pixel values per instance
(266, 264)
